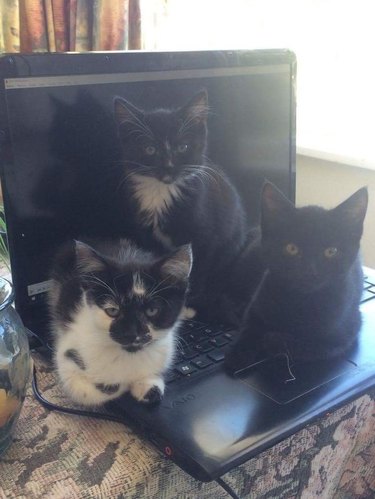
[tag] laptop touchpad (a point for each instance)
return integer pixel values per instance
(282, 383)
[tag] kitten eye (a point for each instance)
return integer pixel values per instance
(291, 249)
(152, 311)
(330, 252)
(182, 148)
(150, 150)
(112, 311)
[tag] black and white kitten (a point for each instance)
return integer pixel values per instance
(114, 311)
(175, 197)
(306, 280)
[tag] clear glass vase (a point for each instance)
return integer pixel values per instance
(14, 364)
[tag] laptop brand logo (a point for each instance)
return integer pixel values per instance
(180, 401)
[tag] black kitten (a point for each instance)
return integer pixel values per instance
(174, 197)
(306, 301)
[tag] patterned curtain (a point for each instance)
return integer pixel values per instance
(69, 25)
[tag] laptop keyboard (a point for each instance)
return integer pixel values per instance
(202, 346)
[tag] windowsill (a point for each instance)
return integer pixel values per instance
(326, 155)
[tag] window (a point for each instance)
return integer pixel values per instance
(334, 42)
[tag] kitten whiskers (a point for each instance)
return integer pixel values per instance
(94, 279)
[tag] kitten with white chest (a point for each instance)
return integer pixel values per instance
(174, 197)
(114, 311)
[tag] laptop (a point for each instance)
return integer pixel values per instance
(58, 144)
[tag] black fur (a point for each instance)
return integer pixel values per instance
(107, 389)
(75, 356)
(208, 213)
(306, 301)
(153, 396)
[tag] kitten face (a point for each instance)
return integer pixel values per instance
(310, 246)
(165, 144)
(134, 297)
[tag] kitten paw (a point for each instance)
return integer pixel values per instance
(148, 391)
(153, 396)
(188, 313)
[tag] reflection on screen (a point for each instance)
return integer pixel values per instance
(66, 178)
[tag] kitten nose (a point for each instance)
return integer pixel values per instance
(311, 270)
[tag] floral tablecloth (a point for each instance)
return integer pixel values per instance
(61, 456)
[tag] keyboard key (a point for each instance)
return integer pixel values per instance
(192, 337)
(171, 376)
(216, 355)
(220, 341)
(191, 326)
(188, 339)
(185, 369)
(201, 362)
(203, 347)
(215, 332)
(228, 336)
(188, 353)
(179, 357)
(207, 332)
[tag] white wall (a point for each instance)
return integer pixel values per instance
(327, 184)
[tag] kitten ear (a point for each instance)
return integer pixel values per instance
(197, 108)
(355, 207)
(274, 203)
(179, 263)
(126, 112)
(87, 259)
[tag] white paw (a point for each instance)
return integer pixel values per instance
(188, 313)
(148, 390)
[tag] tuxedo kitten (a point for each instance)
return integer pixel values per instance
(306, 280)
(175, 197)
(115, 310)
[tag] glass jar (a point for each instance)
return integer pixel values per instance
(14, 364)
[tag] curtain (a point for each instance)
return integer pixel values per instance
(69, 25)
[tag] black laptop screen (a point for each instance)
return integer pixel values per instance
(63, 164)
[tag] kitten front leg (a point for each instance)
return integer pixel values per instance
(77, 382)
(148, 390)
(82, 390)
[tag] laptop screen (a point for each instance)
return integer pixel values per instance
(61, 155)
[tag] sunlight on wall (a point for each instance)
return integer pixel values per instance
(340, 181)
(333, 41)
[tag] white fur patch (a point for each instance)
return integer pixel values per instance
(138, 286)
(155, 198)
(163, 238)
(140, 388)
(188, 313)
(106, 363)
